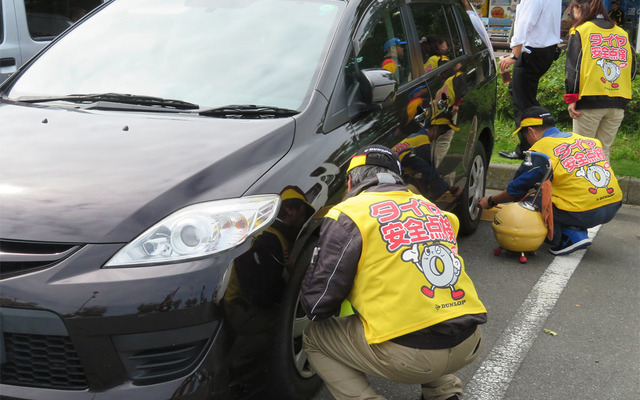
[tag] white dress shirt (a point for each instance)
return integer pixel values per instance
(537, 24)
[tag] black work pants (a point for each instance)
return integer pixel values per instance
(527, 72)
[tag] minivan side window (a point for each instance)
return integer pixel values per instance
(386, 46)
(439, 39)
(456, 41)
(46, 19)
(475, 40)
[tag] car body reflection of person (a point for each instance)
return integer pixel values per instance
(436, 50)
(448, 99)
(478, 25)
(394, 52)
(257, 279)
(417, 158)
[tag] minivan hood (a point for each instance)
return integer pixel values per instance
(103, 176)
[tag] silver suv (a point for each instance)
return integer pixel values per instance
(27, 26)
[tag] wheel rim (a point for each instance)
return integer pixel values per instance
(300, 322)
(476, 186)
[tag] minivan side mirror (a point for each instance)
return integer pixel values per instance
(377, 86)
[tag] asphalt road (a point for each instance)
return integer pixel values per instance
(589, 299)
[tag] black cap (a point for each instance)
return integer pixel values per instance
(536, 116)
(376, 155)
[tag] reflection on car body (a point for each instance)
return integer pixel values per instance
(145, 183)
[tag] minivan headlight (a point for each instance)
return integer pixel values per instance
(199, 231)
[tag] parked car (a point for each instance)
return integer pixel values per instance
(27, 26)
(146, 159)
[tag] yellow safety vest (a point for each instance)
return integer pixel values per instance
(448, 89)
(605, 68)
(410, 275)
(434, 61)
(582, 176)
(390, 65)
(413, 141)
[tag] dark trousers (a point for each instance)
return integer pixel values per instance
(523, 88)
(584, 219)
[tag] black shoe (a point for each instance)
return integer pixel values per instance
(512, 155)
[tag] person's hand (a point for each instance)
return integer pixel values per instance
(484, 202)
(573, 113)
(505, 63)
(455, 191)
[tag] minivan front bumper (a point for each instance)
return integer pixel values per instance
(72, 331)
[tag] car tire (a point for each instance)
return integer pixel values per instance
(467, 210)
(290, 376)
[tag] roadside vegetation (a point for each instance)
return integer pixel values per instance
(625, 152)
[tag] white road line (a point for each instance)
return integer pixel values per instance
(492, 379)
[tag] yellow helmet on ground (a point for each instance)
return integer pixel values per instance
(518, 227)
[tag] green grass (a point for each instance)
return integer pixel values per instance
(625, 168)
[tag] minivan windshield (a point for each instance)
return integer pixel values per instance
(209, 53)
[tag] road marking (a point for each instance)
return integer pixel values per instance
(492, 379)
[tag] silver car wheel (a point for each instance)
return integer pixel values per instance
(300, 322)
(476, 186)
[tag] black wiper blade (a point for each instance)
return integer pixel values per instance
(248, 111)
(114, 97)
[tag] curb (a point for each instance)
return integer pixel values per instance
(499, 176)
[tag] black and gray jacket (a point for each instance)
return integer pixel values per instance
(333, 268)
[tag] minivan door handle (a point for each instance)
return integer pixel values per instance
(7, 62)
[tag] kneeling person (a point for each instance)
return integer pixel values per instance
(393, 255)
(585, 191)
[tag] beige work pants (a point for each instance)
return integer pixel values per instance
(340, 354)
(599, 123)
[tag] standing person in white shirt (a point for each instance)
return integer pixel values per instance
(534, 47)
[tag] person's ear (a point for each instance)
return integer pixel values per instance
(531, 131)
(349, 184)
(536, 133)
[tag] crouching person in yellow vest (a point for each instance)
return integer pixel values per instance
(585, 192)
(393, 255)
